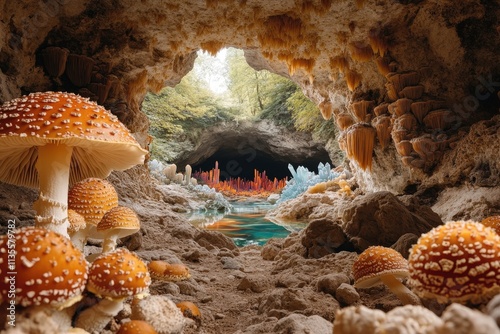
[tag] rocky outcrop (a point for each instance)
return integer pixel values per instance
(244, 140)
(381, 219)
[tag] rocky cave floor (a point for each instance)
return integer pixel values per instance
(291, 285)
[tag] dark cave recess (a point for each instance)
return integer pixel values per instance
(243, 162)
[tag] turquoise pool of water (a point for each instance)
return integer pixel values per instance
(246, 223)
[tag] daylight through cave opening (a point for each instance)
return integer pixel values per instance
(253, 123)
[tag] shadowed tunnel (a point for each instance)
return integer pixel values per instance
(242, 162)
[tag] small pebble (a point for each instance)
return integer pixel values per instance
(219, 316)
(206, 299)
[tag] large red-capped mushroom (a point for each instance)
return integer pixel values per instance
(52, 139)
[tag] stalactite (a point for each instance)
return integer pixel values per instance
(344, 120)
(378, 41)
(79, 69)
(339, 63)
(360, 52)
(281, 31)
(420, 110)
(407, 122)
(361, 110)
(404, 147)
(382, 66)
(438, 119)
(212, 47)
(381, 109)
(425, 147)
(326, 109)
(360, 143)
(412, 92)
(54, 60)
(353, 79)
(383, 126)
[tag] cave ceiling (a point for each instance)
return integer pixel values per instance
(402, 79)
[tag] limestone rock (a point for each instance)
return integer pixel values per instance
(300, 324)
(461, 320)
(380, 219)
(287, 299)
(346, 294)
(331, 282)
(256, 283)
(213, 239)
(271, 249)
(404, 244)
(322, 237)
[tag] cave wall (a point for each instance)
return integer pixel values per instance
(340, 53)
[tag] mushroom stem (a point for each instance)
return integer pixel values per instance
(96, 317)
(400, 290)
(109, 244)
(79, 239)
(53, 174)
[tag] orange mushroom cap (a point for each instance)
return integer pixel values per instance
(47, 269)
(119, 218)
(164, 271)
(458, 261)
(492, 222)
(189, 310)
(376, 261)
(100, 142)
(76, 221)
(118, 274)
(118, 222)
(92, 198)
(136, 327)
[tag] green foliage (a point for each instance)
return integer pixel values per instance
(290, 107)
(177, 111)
(181, 113)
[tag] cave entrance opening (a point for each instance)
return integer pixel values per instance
(250, 123)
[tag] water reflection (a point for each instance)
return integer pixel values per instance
(246, 223)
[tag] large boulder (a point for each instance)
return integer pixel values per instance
(381, 219)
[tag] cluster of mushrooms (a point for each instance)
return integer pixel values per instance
(52, 140)
(457, 262)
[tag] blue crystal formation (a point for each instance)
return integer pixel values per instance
(303, 178)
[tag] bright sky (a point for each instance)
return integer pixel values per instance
(213, 70)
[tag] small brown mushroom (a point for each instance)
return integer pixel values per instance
(113, 277)
(382, 265)
(171, 272)
(190, 310)
(117, 223)
(76, 229)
